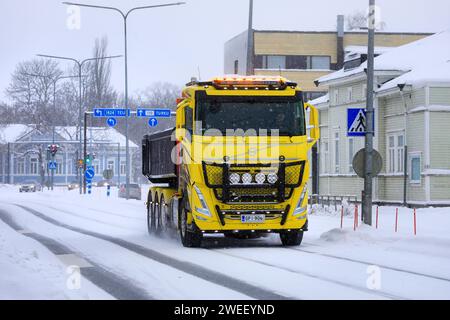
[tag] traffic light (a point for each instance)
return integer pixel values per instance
(53, 149)
(88, 160)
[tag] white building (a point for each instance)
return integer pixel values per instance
(412, 117)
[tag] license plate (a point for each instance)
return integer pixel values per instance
(253, 218)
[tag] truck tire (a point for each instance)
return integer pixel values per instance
(190, 239)
(163, 215)
(291, 238)
(150, 214)
(157, 211)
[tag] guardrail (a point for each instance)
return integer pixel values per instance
(329, 200)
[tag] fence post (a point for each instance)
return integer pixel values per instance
(415, 222)
(376, 223)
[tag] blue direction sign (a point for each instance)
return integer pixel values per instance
(52, 165)
(107, 113)
(112, 122)
(154, 113)
(89, 174)
(153, 122)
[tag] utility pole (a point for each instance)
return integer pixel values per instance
(368, 176)
(124, 16)
(250, 42)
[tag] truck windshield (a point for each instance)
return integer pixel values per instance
(251, 115)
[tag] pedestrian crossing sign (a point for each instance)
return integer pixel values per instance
(356, 122)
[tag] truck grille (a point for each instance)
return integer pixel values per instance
(290, 176)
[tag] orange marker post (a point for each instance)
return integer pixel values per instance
(415, 222)
(376, 223)
(396, 219)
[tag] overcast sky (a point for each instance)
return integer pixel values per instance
(172, 44)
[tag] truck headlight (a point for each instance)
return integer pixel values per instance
(204, 209)
(247, 178)
(272, 178)
(235, 178)
(300, 210)
(260, 178)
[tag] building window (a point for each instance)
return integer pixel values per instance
(21, 167)
(123, 168)
(336, 96)
(33, 166)
(236, 66)
(349, 94)
(308, 96)
(336, 153)
(96, 165)
(59, 166)
(351, 154)
(274, 62)
(110, 165)
(320, 62)
(415, 165)
(396, 150)
(293, 62)
(325, 156)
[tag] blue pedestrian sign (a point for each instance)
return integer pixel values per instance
(89, 174)
(153, 122)
(154, 113)
(356, 122)
(109, 113)
(52, 165)
(112, 122)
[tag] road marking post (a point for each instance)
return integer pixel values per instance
(376, 223)
(342, 216)
(415, 222)
(108, 190)
(396, 219)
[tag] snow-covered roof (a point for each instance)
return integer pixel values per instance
(12, 132)
(96, 134)
(424, 59)
(320, 100)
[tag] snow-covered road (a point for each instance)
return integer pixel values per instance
(106, 238)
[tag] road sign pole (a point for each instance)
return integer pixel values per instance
(53, 173)
(85, 151)
(367, 201)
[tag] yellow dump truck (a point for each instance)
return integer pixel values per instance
(235, 164)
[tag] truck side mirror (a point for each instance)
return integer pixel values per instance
(314, 129)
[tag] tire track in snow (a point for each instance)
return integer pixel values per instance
(184, 266)
(307, 274)
(371, 263)
(116, 286)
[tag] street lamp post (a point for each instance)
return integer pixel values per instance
(80, 115)
(368, 174)
(125, 19)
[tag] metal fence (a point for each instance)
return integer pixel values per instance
(329, 200)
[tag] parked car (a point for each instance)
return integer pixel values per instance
(135, 191)
(104, 183)
(73, 185)
(30, 186)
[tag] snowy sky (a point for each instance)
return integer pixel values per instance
(173, 44)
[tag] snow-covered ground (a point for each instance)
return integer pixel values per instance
(42, 234)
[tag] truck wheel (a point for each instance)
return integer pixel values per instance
(163, 218)
(190, 239)
(150, 214)
(157, 216)
(291, 238)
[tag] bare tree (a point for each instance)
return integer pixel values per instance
(31, 91)
(359, 20)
